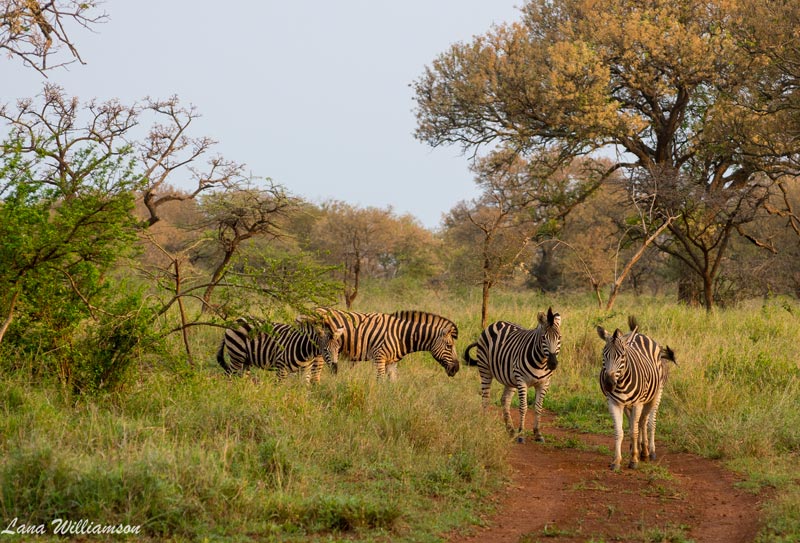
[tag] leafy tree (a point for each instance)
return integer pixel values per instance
(368, 242)
(521, 200)
(38, 33)
(237, 216)
(667, 84)
(63, 229)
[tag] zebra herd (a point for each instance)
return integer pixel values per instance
(632, 377)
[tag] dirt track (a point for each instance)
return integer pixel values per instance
(566, 494)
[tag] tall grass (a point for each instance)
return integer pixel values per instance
(203, 455)
(193, 454)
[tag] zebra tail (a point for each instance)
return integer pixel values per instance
(221, 357)
(669, 354)
(468, 360)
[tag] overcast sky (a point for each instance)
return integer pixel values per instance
(314, 94)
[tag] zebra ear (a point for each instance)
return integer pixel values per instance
(550, 316)
(617, 334)
(603, 333)
(541, 317)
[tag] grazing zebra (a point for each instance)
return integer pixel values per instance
(386, 338)
(632, 379)
(286, 348)
(518, 358)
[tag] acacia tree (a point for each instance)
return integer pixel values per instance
(239, 216)
(38, 33)
(668, 84)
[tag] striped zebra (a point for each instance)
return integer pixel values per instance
(288, 349)
(386, 338)
(632, 379)
(518, 358)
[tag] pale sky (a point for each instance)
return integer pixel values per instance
(314, 94)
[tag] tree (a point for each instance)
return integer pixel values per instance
(368, 242)
(67, 194)
(521, 200)
(65, 220)
(239, 216)
(38, 33)
(665, 83)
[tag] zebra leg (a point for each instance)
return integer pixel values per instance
(316, 370)
(508, 393)
(615, 410)
(522, 396)
(282, 372)
(651, 425)
(486, 388)
(636, 412)
(541, 391)
(644, 424)
(380, 369)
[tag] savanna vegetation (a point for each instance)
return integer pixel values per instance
(128, 245)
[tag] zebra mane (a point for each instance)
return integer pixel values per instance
(412, 315)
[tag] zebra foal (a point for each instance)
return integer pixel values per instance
(518, 357)
(306, 346)
(632, 380)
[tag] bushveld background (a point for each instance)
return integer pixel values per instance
(633, 158)
(191, 454)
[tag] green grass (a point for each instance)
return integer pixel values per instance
(192, 454)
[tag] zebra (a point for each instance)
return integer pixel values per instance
(632, 380)
(385, 338)
(518, 358)
(306, 346)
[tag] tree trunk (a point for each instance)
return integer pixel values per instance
(9, 316)
(634, 259)
(184, 327)
(216, 277)
(350, 294)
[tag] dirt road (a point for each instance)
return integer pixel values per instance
(564, 491)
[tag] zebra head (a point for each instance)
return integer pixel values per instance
(550, 324)
(615, 355)
(326, 336)
(444, 349)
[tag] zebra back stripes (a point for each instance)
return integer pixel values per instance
(632, 379)
(286, 348)
(386, 338)
(518, 357)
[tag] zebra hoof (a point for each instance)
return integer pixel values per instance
(520, 439)
(633, 465)
(539, 438)
(653, 457)
(614, 466)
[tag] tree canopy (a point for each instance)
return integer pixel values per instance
(685, 96)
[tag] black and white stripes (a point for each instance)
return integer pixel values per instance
(385, 338)
(632, 379)
(286, 348)
(518, 357)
